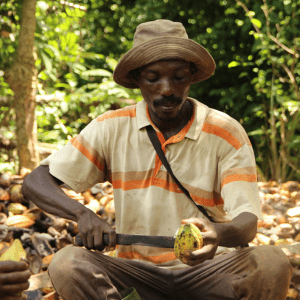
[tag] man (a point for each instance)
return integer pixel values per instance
(208, 152)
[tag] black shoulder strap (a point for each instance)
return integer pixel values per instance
(157, 146)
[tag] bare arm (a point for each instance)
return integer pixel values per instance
(43, 189)
(240, 231)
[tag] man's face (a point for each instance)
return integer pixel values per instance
(165, 86)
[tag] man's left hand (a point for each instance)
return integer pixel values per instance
(210, 242)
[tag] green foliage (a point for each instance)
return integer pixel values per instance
(254, 43)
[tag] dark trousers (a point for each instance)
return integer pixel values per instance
(254, 273)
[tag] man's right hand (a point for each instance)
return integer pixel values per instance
(14, 277)
(91, 229)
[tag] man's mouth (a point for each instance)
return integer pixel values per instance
(169, 104)
(168, 107)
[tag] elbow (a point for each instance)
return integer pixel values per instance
(253, 232)
(251, 236)
(31, 183)
(25, 190)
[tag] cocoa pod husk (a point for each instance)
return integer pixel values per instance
(3, 218)
(105, 200)
(5, 179)
(16, 208)
(19, 221)
(16, 194)
(4, 195)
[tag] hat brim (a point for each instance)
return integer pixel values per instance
(162, 48)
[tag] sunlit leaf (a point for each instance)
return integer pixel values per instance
(233, 64)
(97, 72)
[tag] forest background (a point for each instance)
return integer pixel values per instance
(57, 59)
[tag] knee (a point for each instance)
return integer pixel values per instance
(273, 260)
(63, 263)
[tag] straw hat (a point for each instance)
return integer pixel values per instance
(158, 40)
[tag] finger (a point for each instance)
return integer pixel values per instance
(98, 241)
(15, 277)
(10, 266)
(197, 254)
(83, 237)
(194, 260)
(112, 240)
(90, 241)
(185, 221)
(12, 289)
(200, 223)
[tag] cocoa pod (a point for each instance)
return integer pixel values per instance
(16, 195)
(5, 179)
(4, 195)
(105, 200)
(107, 187)
(19, 221)
(3, 218)
(16, 208)
(110, 208)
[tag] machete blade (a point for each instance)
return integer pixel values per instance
(142, 240)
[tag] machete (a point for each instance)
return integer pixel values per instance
(142, 240)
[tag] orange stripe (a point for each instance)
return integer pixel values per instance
(164, 184)
(239, 177)
(167, 185)
(208, 202)
(238, 171)
(118, 113)
(157, 259)
(142, 184)
(241, 134)
(222, 133)
(131, 184)
(87, 153)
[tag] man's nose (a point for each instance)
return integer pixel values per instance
(167, 88)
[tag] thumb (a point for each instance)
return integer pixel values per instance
(200, 223)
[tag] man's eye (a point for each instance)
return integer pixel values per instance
(178, 78)
(152, 79)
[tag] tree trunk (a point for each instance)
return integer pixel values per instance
(22, 78)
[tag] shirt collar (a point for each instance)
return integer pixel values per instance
(141, 114)
(201, 112)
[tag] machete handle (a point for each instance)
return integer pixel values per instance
(79, 242)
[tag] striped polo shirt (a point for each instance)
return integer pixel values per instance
(211, 156)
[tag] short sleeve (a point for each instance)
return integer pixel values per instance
(80, 163)
(239, 188)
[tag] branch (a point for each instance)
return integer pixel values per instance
(289, 163)
(250, 17)
(265, 10)
(293, 80)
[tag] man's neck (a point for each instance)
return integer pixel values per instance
(172, 127)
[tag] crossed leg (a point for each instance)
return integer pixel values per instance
(261, 272)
